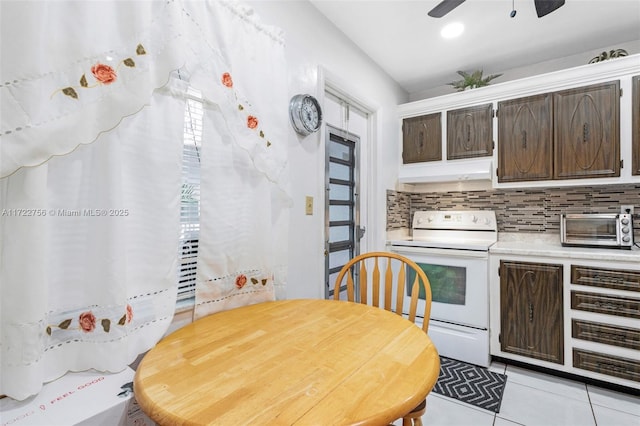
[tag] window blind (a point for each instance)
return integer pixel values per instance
(190, 200)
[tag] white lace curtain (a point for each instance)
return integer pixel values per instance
(244, 213)
(90, 163)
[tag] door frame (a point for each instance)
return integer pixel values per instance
(368, 182)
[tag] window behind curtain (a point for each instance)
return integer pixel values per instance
(190, 203)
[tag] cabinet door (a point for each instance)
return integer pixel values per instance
(470, 132)
(586, 131)
(525, 139)
(531, 318)
(422, 138)
(635, 126)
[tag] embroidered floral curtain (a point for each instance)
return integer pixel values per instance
(91, 143)
(244, 206)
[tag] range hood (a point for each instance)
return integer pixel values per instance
(452, 171)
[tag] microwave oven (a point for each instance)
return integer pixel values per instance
(597, 230)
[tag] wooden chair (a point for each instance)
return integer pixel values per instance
(371, 291)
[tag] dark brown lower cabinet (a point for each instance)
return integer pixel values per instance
(609, 334)
(619, 279)
(605, 304)
(610, 365)
(531, 314)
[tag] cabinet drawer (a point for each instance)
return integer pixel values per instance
(612, 305)
(608, 278)
(610, 365)
(625, 337)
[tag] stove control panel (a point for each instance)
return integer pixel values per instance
(473, 220)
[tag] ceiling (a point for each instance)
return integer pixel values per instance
(404, 41)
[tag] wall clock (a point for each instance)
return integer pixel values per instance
(305, 114)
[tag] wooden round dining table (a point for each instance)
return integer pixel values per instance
(289, 362)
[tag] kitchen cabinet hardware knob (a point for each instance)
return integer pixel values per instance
(530, 312)
(468, 133)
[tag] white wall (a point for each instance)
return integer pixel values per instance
(316, 50)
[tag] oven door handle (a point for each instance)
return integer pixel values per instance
(473, 254)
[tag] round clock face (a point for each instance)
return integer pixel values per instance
(305, 114)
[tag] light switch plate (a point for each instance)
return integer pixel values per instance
(308, 205)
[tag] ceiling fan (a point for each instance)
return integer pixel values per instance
(543, 7)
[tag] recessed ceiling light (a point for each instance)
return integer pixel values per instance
(452, 30)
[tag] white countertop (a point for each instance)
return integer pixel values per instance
(548, 245)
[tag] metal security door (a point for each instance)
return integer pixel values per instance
(342, 210)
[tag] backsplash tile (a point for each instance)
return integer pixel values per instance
(518, 210)
(398, 209)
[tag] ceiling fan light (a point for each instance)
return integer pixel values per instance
(452, 30)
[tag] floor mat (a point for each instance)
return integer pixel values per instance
(471, 384)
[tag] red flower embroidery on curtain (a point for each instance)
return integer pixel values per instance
(127, 317)
(104, 73)
(129, 313)
(241, 280)
(87, 321)
(227, 80)
(252, 122)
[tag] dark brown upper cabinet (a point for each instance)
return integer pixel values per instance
(587, 131)
(422, 138)
(525, 139)
(635, 126)
(470, 132)
(531, 313)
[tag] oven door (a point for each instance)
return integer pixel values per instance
(459, 283)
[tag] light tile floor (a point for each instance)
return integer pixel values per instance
(536, 399)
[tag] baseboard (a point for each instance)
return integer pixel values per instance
(576, 377)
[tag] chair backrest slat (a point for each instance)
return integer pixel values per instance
(375, 284)
(420, 285)
(364, 283)
(350, 293)
(401, 286)
(388, 286)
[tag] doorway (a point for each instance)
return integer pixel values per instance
(345, 132)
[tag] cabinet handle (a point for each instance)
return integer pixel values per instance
(530, 312)
(607, 279)
(585, 132)
(608, 305)
(611, 367)
(524, 139)
(468, 133)
(612, 336)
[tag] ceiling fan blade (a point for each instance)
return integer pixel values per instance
(444, 7)
(545, 7)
